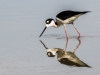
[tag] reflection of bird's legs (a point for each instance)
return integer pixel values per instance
(66, 45)
(77, 45)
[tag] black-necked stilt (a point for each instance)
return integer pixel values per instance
(63, 18)
(66, 57)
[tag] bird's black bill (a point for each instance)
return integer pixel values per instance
(43, 31)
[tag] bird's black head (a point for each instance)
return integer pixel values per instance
(48, 21)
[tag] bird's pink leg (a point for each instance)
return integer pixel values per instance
(77, 31)
(66, 32)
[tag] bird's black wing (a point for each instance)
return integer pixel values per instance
(68, 13)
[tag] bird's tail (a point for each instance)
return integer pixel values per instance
(85, 12)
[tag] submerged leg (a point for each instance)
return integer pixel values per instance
(66, 32)
(77, 31)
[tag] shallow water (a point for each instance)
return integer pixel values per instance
(21, 52)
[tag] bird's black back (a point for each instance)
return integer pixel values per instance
(68, 13)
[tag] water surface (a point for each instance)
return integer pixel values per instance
(21, 52)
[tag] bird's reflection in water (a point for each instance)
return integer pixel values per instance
(66, 57)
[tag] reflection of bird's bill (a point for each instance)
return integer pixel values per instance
(43, 44)
(42, 31)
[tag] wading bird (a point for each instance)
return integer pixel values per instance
(63, 18)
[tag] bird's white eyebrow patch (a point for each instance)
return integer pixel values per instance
(47, 21)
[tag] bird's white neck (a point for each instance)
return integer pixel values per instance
(54, 24)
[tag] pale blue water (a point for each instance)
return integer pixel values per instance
(21, 23)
